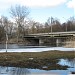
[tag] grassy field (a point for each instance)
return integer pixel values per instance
(36, 59)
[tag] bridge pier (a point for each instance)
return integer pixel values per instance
(41, 42)
(58, 42)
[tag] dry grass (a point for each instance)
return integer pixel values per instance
(22, 59)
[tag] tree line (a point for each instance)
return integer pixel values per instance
(23, 26)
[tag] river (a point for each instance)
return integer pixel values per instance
(23, 48)
(29, 71)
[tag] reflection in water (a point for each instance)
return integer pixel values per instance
(68, 62)
(42, 71)
(71, 62)
(10, 46)
(14, 71)
(3, 70)
(19, 71)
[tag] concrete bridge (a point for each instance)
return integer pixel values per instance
(55, 38)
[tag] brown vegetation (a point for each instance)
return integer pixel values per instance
(35, 59)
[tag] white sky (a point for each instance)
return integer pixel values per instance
(6, 4)
(71, 4)
(36, 3)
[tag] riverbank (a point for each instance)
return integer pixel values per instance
(35, 59)
(19, 48)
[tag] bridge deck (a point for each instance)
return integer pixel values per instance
(53, 34)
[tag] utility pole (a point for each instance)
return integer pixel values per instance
(65, 25)
(51, 23)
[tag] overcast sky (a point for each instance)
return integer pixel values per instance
(40, 10)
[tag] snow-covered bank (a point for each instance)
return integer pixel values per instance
(37, 49)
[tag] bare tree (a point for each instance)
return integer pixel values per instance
(2, 33)
(5, 23)
(19, 13)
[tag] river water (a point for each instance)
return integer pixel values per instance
(29, 71)
(22, 48)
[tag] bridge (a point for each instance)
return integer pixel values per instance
(56, 37)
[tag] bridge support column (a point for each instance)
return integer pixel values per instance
(58, 42)
(41, 42)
